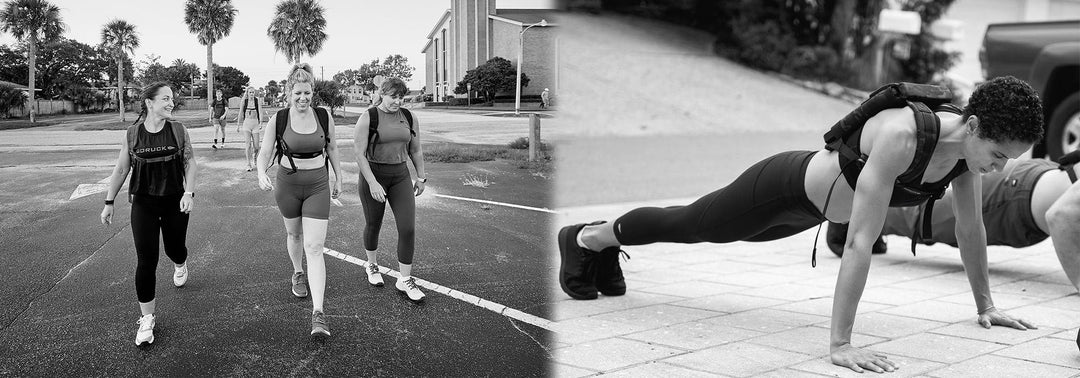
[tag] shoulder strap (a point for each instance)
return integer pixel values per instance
(180, 135)
(281, 121)
(324, 121)
(408, 117)
(373, 129)
(927, 127)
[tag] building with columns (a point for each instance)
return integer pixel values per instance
(473, 31)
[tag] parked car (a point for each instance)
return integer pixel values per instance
(1047, 56)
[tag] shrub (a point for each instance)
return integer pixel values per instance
(763, 45)
(814, 62)
(523, 144)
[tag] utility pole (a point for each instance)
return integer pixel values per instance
(322, 73)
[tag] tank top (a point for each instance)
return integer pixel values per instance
(219, 108)
(304, 143)
(911, 192)
(394, 139)
(158, 178)
(251, 110)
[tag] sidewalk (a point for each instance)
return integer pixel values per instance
(759, 309)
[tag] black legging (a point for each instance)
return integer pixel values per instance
(767, 202)
(151, 216)
(397, 183)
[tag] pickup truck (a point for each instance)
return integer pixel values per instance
(1047, 56)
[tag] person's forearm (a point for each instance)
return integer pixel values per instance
(972, 243)
(418, 163)
(116, 181)
(849, 289)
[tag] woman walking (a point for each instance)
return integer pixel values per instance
(158, 154)
(248, 125)
(387, 137)
(303, 135)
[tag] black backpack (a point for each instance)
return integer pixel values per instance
(282, 121)
(923, 99)
(373, 127)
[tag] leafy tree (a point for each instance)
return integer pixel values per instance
(396, 66)
(31, 21)
(927, 59)
(392, 66)
(233, 81)
(118, 36)
(328, 93)
(10, 98)
(210, 21)
(298, 28)
(493, 77)
(272, 91)
(12, 65)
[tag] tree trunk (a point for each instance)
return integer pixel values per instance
(840, 25)
(210, 78)
(120, 83)
(33, 67)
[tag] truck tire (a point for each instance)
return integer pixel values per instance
(1063, 131)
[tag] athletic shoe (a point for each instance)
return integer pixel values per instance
(318, 324)
(609, 277)
(180, 275)
(373, 276)
(214, 146)
(299, 284)
(836, 237)
(408, 286)
(146, 330)
(577, 270)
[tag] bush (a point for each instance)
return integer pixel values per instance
(458, 101)
(814, 62)
(763, 45)
(523, 144)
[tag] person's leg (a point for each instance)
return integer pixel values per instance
(316, 214)
(1063, 219)
(249, 147)
(287, 195)
(403, 203)
(373, 217)
(145, 227)
(174, 237)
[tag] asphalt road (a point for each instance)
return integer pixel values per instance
(69, 301)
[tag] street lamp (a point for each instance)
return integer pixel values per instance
(521, 49)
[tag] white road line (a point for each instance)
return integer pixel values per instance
(459, 295)
(540, 209)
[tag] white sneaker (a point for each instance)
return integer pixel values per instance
(180, 274)
(408, 286)
(373, 276)
(146, 330)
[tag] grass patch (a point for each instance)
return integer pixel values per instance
(24, 124)
(467, 153)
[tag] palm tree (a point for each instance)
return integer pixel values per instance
(119, 37)
(31, 21)
(210, 21)
(297, 28)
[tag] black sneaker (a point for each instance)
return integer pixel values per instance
(836, 236)
(609, 277)
(577, 270)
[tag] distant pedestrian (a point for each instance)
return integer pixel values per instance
(386, 138)
(303, 134)
(218, 107)
(545, 96)
(158, 154)
(247, 123)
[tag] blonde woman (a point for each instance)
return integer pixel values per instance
(247, 124)
(303, 135)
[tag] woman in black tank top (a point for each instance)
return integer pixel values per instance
(158, 154)
(788, 193)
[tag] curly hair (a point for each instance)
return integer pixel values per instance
(1008, 109)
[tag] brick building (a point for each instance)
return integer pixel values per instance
(473, 31)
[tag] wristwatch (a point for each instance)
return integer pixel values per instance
(190, 193)
(109, 202)
(422, 179)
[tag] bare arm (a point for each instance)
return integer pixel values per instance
(262, 161)
(971, 239)
(871, 201)
(116, 180)
(190, 167)
(1063, 219)
(416, 150)
(360, 145)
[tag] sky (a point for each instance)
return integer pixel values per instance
(358, 32)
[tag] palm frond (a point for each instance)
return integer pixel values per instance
(298, 28)
(209, 20)
(26, 18)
